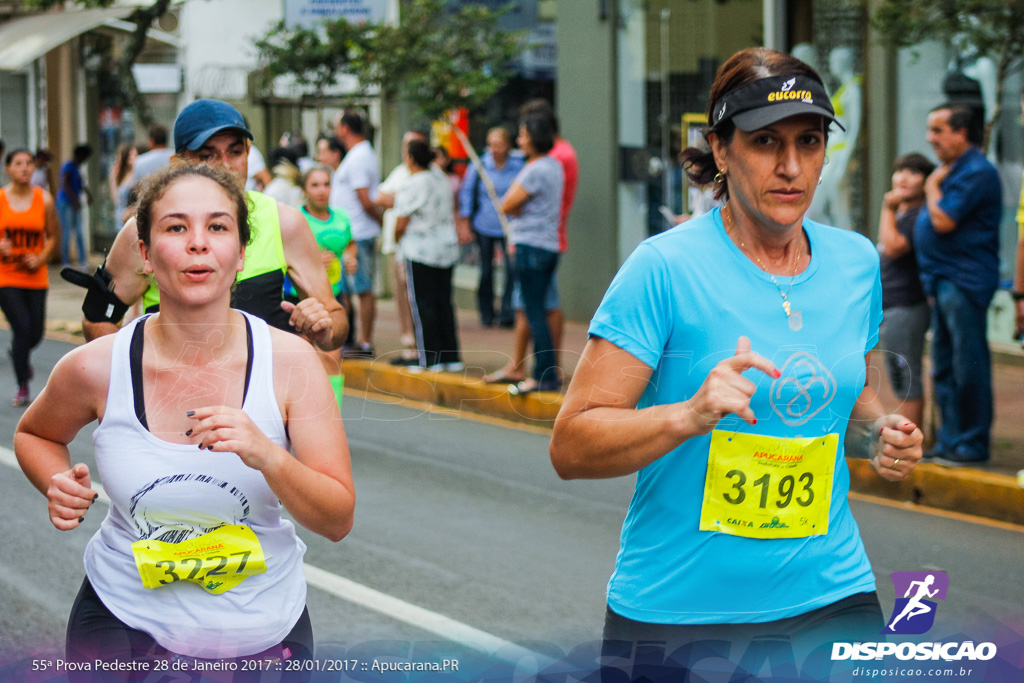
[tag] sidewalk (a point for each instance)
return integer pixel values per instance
(991, 491)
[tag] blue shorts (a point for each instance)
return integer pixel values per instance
(362, 281)
(551, 300)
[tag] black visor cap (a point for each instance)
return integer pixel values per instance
(765, 101)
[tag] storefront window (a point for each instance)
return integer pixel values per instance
(699, 36)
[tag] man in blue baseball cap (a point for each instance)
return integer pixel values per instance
(201, 120)
(213, 133)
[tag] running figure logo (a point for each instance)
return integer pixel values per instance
(914, 613)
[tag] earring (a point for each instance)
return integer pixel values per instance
(720, 177)
(819, 180)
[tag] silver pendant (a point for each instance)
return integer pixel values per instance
(796, 321)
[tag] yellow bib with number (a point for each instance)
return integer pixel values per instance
(217, 561)
(334, 271)
(768, 486)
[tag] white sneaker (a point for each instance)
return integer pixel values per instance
(457, 366)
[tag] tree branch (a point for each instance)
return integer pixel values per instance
(143, 18)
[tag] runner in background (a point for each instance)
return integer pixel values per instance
(337, 251)
(28, 222)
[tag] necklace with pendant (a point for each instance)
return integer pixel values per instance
(794, 318)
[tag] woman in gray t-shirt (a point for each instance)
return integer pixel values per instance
(534, 202)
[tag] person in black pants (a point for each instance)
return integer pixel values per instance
(479, 217)
(28, 235)
(426, 230)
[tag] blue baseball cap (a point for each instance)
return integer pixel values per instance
(201, 120)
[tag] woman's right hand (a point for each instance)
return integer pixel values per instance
(725, 390)
(69, 497)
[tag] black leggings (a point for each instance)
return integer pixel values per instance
(25, 310)
(94, 633)
(628, 646)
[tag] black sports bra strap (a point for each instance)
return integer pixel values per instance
(135, 365)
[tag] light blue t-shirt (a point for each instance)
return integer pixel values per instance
(679, 304)
(537, 222)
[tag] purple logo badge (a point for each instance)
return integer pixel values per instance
(914, 612)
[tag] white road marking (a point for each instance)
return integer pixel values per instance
(388, 605)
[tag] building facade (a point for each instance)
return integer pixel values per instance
(616, 59)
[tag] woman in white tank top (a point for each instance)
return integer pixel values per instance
(197, 417)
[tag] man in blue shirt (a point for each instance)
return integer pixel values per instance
(477, 211)
(957, 239)
(69, 204)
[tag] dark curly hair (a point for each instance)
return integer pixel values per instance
(746, 66)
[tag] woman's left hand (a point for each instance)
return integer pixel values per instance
(310, 318)
(896, 447)
(229, 430)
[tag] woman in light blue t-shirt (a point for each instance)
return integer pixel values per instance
(723, 368)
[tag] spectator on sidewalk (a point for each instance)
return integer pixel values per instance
(534, 202)
(297, 143)
(477, 213)
(329, 152)
(425, 230)
(41, 174)
(122, 182)
(157, 158)
(286, 179)
(389, 247)
(258, 176)
(905, 312)
(957, 242)
(563, 152)
(69, 205)
(1018, 277)
(353, 188)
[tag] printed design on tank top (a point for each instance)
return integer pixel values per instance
(23, 241)
(157, 515)
(212, 548)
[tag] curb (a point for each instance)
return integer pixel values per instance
(966, 491)
(457, 391)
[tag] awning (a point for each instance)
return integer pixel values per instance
(25, 39)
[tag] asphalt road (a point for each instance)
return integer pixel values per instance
(463, 528)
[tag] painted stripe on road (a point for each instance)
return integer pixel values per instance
(395, 608)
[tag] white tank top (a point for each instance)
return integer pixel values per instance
(173, 492)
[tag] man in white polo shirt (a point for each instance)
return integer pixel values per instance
(353, 187)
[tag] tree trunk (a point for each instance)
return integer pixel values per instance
(144, 18)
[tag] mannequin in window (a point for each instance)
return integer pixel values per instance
(832, 200)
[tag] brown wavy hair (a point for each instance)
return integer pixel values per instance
(154, 187)
(746, 66)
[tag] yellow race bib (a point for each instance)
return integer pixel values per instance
(768, 486)
(334, 271)
(217, 561)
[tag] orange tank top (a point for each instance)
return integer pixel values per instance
(27, 232)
